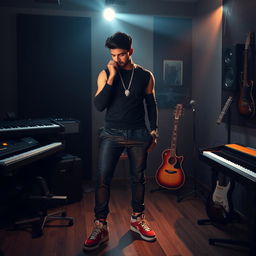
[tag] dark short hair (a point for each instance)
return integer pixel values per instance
(119, 40)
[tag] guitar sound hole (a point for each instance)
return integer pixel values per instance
(172, 160)
(171, 172)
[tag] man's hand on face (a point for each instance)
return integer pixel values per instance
(112, 67)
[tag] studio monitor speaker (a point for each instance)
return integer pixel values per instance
(232, 64)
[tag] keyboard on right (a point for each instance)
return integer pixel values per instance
(238, 160)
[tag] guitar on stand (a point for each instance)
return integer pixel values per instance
(170, 174)
(246, 104)
(219, 207)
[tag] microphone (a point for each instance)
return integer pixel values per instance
(225, 109)
(192, 104)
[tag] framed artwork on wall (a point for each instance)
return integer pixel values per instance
(173, 61)
(172, 90)
(173, 73)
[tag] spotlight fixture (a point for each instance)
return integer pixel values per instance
(109, 14)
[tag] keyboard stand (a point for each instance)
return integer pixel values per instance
(41, 221)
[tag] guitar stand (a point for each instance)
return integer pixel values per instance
(234, 217)
(176, 192)
(157, 189)
(190, 193)
(194, 190)
(214, 241)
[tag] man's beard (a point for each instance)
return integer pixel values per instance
(123, 64)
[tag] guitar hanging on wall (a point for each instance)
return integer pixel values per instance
(246, 104)
(170, 174)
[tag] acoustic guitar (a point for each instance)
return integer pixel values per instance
(246, 104)
(170, 174)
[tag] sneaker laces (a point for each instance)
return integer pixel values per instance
(145, 225)
(98, 227)
(94, 233)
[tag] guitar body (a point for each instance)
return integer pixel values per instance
(219, 205)
(170, 174)
(246, 104)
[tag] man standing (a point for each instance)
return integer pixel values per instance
(123, 87)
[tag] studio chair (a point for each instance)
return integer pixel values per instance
(41, 203)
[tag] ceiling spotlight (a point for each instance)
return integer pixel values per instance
(109, 14)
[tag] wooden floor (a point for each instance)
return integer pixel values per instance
(175, 224)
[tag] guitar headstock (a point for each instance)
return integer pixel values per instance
(178, 111)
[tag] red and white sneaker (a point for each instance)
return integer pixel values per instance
(98, 236)
(141, 226)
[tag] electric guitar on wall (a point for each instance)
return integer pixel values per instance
(170, 174)
(246, 104)
(219, 204)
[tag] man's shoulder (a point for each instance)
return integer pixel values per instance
(104, 72)
(142, 69)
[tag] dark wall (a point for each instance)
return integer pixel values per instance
(207, 90)
(238, 20)
(54, 74)
(7, 64)
(172, 41)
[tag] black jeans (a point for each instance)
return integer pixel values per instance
(111, 145)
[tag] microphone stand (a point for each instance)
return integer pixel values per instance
(226, 109)
(194, 190)
(229, 126)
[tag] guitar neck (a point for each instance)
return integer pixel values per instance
(174, 136)
(245, 71)
(248, 59)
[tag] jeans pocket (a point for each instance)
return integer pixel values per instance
(141, 135)
(110, 132)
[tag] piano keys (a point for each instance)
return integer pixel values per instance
(20, 152)
(29, 127)
(235, 159)
(239, 163)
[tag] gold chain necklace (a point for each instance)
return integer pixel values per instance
(126, 90)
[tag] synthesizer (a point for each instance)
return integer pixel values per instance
(238, 160)
(14, 128)
(17, 153)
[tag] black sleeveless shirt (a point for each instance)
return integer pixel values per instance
(127, 112)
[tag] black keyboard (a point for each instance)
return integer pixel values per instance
(7, 164)
(29, 127)
(239, 160)
(9, 147)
